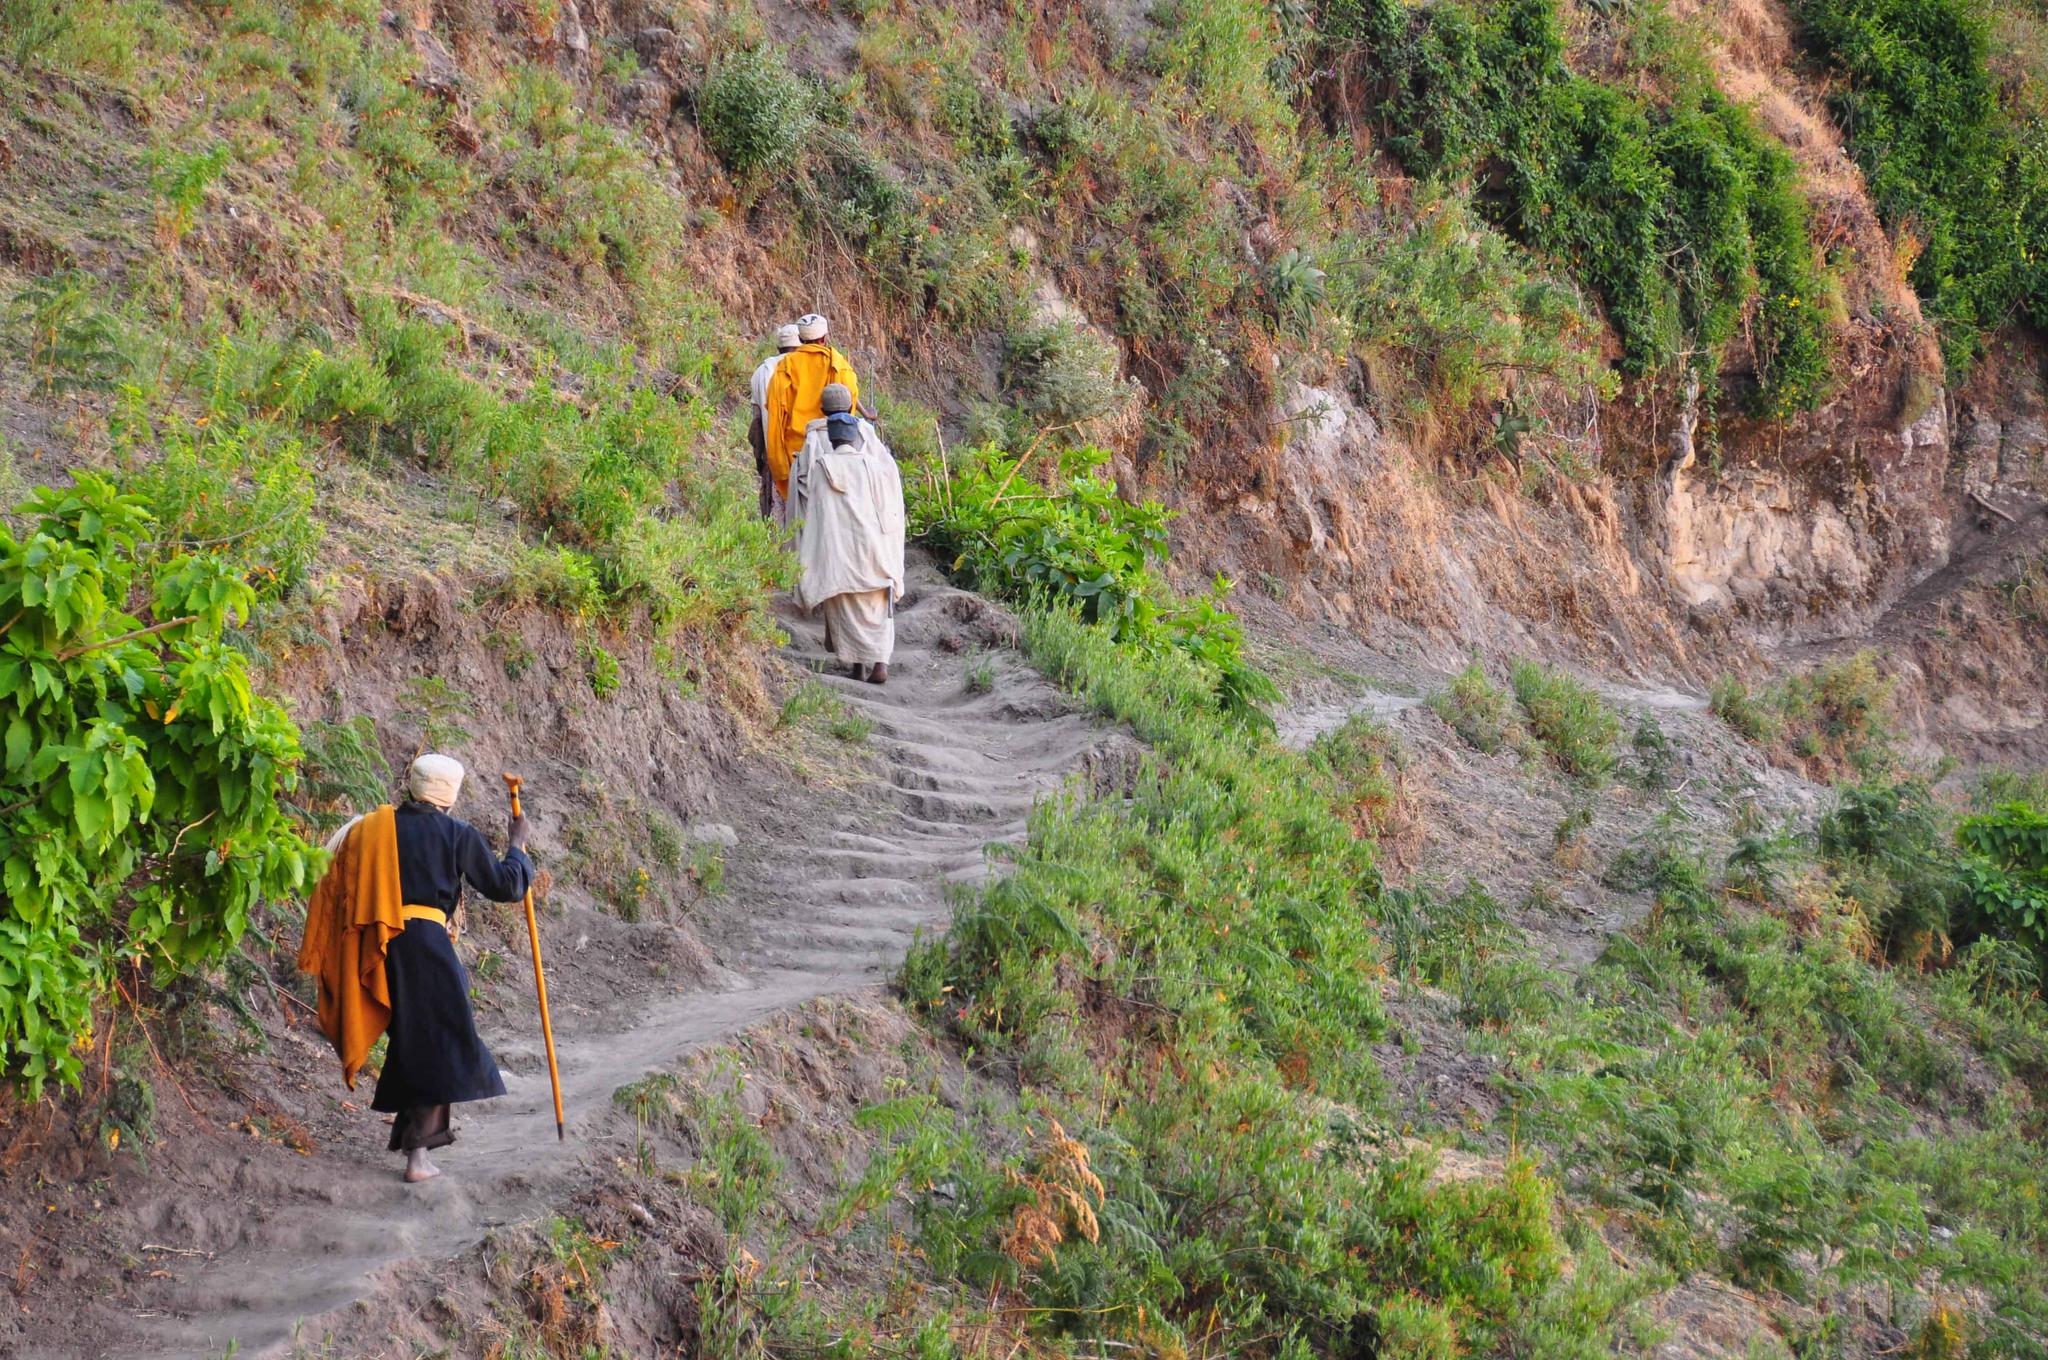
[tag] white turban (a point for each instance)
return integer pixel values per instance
(436, 779)
(788, 337)
(811, 326)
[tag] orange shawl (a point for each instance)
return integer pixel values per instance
(354, 913)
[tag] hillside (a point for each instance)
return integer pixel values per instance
(1465, 770)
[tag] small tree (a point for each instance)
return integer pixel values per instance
(139, 775)
(2005, 871)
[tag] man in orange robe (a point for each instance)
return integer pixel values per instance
(794, 396)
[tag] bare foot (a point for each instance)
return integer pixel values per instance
(854, 670)
(879, 675)
(418, 1168)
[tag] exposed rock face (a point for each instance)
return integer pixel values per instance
(1783, 546)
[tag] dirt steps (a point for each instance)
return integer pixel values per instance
(824, 906)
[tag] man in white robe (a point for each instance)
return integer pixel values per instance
(757, 430)
(847, 497)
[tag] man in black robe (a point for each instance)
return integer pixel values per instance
(436, 1058)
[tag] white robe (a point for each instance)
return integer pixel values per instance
(848, 504)
(758, 388)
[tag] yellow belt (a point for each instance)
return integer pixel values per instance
(412, 913)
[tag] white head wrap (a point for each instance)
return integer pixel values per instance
(811, 326)
(436, 779)
(788, 337)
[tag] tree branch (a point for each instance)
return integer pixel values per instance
(71, 652)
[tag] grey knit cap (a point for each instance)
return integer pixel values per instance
(835, 399)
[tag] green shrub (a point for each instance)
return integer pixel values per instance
(1835, 717)
(1063, 374)
(1477, 710)
(1455, 310)
(1955, 172)
(235, 491)
(1680, 212)
(124, 733)
(1889, 843)
(755, 112)
(180, 181)
(1221, 921)
(600, 667)
(1073, 540)
(1757, 719)
(561, 579)
(2005, 871)
(71, 342)
(344, 773)
(1568, 718)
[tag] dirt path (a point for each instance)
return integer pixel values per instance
(830, 909)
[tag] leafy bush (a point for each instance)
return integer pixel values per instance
(1074, 541)
(1680, 213)
(2005, 871)
(1063, 374)
(235, 491)
(1888, 841)
(1575, 727)
(130, 835)
(1477, 710)
(1833, 718)
(1755, 718)
(755, 112)
(71, 342)
(1456, 308)
(1960, 178)
(344, 771)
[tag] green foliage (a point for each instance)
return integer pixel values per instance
(1569, 719)
(1072, 540)
(636, 522)
(664, 839)
(737, 1167)
(344, 773)
(180, 182)
(1755, 718)
(1358, 770)
(1456, 311)
(600, 667)
(560, 579)
(33, 27)
(142, 775)
(70, 340)
(2005, 871)
(1218, 924)
(1062, 374)
(1959, 174)
(1680, 211)
(1478, 710)
(707, 867)
(978, 674)
(814, 704)
(233, 491)
(755, 112)
(1835, 718)
(437, 710)
(1890, 844)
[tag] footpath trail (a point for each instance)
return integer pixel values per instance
(830, 902)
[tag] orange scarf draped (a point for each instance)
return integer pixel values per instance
(354, 913)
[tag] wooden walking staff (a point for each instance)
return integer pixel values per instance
(540, 979)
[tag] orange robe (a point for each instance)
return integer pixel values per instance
(794, 394)
(355, 912)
